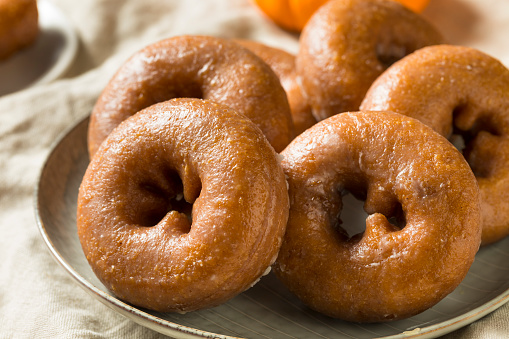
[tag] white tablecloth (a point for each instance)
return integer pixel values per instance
(37, 297)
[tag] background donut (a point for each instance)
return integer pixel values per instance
(19, 25)
(196, 67)
(347, 44)
(283, 64)
(458, 91)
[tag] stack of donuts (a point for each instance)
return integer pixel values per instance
(213, 161)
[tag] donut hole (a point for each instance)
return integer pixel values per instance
(153, 205)
(354, 214)
(465, 134)
(387, 53)
(457, 140)
(157, 200)
(391, 47)
(397, 217)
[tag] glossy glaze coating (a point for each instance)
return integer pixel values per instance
(197, 67)
(19, 25)
(283, 64)
(405, 172)
(347, 44)
(458, 91)
(183, 206)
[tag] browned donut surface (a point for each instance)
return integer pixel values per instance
(183, 206)
(19, 25)
(197, 67)
(458, 91)
(347, 44)
(403, 170)
(283, 64)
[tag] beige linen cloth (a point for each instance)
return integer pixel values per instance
(37, 297)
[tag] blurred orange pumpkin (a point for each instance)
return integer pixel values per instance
(415, 5)
(293, 14)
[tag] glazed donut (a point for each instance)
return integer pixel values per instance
(347, 44)
(19, 25)
(133, 219)
(283, 64)
(458, 91)
(404, 171)
(198, 67)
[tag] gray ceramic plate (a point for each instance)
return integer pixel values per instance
(45, 60)
(267, 310)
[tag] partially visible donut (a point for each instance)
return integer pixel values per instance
(198, 67)
(19, 25)
(133, 219)
(283, 64)
(405, 171)
(347, 44)
(464, 91)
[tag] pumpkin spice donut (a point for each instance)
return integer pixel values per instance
(458, 91)
(19, 25)
(197, 67)
(133, 214)
(404, 171)
(283, 64)
(347, 44)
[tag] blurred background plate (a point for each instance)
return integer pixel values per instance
(47, 59)
(267, 310)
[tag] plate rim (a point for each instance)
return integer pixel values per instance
(71, 41)
(171, 328)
